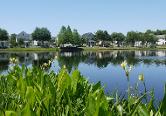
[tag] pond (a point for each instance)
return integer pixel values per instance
(101, 66)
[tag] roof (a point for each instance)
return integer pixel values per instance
(161, 36)
(91, 41)
(24, 35)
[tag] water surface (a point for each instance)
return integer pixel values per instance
(102, 66)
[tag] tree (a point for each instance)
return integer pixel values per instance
(107, 36)
(13, 41)
(21, 42)
(119, 37)
(132, 37)
(151, 39)
(62, 36)
(142, 38)
(41, 34)
(102, 36)
(66, 36)
(3, 35)
(158, 32)
(76, 37)
(149, 31)
(69, 35)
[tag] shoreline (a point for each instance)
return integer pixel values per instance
(83, 48)
(30, 50)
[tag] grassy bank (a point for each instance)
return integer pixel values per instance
(121, 48)
(29, 49)
(36, 92)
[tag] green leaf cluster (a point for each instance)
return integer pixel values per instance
(33, 92)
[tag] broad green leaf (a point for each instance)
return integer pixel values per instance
(10, 113)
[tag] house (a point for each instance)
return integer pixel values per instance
(161, 39)
(91, 43)
(37, 43)
(89, 38)
(25, 37)
(104, 43)
(137, 43)
(4, 44)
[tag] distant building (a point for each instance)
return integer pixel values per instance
(25, 37)
(44, 44)
(161, 39)
(4, 44)
(137, 43)
(91, 43)
(89, 38)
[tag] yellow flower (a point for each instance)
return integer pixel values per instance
(13, 60)
(49, 62)
(64, 66)
(141, 77)
(56, 57)
(123, 64)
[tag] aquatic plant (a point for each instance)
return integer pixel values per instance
(36, 92)
(25, 91)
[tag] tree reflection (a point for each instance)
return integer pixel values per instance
(100, 59)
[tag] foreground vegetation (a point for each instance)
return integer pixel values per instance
(36, 91)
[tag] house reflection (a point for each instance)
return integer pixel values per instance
(100, 59)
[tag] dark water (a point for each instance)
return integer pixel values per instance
(102, 66)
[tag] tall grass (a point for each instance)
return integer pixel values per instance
(35, 92)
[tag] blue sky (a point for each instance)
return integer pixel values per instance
(84, 15)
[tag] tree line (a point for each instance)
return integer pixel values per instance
(68, 36)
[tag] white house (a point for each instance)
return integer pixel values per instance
(161, 39)
(138, 43)
(4, 44)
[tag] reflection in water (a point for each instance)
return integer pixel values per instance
(4, 61)
(101, 66)
(100, 59)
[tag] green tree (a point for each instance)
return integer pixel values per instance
(3, 35)
(21, 42)
(62, 36)
(66, 36)
(13, 41)
(149, 31)
(41, 34)
(151, 39)
(102, 36)
(132, 37)
(142, 38)
(158, 32)
(119, 37)
(76, 37)
(69, 35)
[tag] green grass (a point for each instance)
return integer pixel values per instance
(29, 49)
(96, 48)
(37, 92)
(121, 48)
